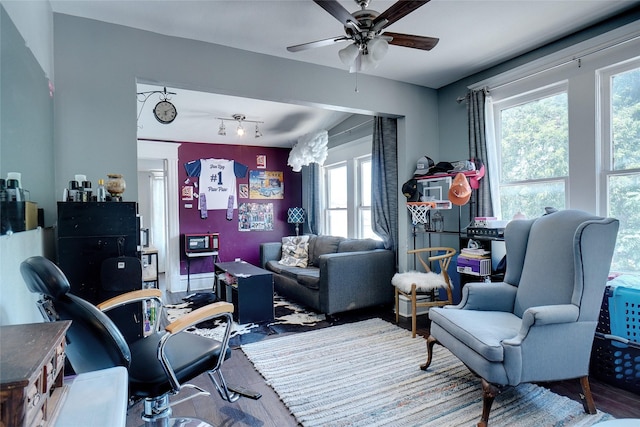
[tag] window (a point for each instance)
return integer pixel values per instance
(348, 198)
(532, 141)
(620, 114)
(364, 194)
(336, 200)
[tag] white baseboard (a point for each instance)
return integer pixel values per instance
(197, 282)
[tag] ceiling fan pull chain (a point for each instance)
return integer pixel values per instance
(356, 89)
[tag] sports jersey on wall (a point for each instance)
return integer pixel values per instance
(217, 180)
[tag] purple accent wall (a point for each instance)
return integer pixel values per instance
(234, 243)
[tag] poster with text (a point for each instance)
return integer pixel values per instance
(266, 185)
(255, 217)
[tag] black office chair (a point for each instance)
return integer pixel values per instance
(158, 365)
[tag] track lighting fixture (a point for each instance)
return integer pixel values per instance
(240, 129)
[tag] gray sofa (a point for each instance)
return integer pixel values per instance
(342, 274)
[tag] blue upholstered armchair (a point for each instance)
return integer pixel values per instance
(539, 324)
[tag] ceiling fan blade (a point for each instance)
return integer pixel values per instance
(415, 42)
(398, 10)
(317, 43)
(336, 10)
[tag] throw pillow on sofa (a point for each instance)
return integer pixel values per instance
(295, 251)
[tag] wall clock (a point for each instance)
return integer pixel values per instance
(165, 112)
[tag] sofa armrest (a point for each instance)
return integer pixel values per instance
(496, 296)
(270, 251)
(351, 280)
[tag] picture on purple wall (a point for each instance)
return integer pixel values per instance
(255, 217)
(266, 185)
(243, 191)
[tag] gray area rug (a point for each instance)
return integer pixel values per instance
(367, 374)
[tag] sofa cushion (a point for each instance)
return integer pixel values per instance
(295, 251)
(321, 245)
(355, 245)
(309, 278)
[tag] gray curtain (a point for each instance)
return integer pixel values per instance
(480, 199)
(384, 181)
(311, 198)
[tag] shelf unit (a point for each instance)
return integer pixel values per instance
(150, 267)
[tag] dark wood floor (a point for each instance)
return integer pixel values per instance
(269, 411)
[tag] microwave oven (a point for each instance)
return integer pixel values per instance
(208, 242)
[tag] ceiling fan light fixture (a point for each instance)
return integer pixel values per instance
(377, 48)
(349, 54)
(367, 62)
(240, 130)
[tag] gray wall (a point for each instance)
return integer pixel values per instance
(97, 65)
(26, 122)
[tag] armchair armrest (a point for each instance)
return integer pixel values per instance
(544, 315)
(199, 315)
(498, 296)
(131, 297)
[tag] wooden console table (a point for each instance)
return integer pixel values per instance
(31, 373)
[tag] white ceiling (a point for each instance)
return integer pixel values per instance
(198, 112)
(474, 35)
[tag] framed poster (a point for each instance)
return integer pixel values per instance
(187, 192)
(261, 161)
(266, 185)
(243, 191)
(255, 217)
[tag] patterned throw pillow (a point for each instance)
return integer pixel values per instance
(295, 251)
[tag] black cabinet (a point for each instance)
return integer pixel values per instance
(88, 234)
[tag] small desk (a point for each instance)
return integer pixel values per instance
(248, 288)
(150, 267)
(190, 255)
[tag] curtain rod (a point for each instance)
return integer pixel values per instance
(351, 128)
(568, 61)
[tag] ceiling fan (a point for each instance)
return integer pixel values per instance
(365, 28)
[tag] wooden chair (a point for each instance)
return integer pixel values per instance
(414, 283)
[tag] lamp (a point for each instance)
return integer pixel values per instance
(240, 129)
(364, 54)
(295, 216)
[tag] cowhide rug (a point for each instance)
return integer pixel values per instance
(289, 317)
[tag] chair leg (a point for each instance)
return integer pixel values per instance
(431, 341)
(414, 314)
(489, 392)
(397, 305)
(586, 397)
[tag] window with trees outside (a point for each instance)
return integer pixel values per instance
(620, 118)
(532, 142)
(347, 201)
